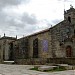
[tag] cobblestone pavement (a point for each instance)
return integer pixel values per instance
(24, 70)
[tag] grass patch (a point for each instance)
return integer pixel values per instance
(36, 68)
(60, 68)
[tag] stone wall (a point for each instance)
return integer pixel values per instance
(42, 61)
(5, 48)
(21, 48)
(32, 61)
(41, 37)
(59, 37)
(61, 60)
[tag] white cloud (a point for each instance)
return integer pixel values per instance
(12, 2)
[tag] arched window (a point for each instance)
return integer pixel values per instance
(35, 48)
(69, 19)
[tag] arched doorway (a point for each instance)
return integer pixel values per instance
(69, 51)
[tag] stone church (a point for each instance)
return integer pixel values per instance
(53, 45)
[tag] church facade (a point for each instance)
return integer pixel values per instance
(55, 44)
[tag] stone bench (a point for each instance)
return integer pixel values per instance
(64, 65)
(8, 62)
(44, 68)
(68, 67)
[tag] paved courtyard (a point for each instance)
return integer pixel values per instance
(24, 70)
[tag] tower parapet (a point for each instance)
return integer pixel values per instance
(69, 15)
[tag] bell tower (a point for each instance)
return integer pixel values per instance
(69, 15)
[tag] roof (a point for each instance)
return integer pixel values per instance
(6, 37)
(40, 32)
(43, 31)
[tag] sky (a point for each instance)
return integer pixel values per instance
(25, 17)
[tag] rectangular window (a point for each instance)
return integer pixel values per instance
(45, 45)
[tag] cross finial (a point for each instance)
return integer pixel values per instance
(71, 6)
(16, 36)
(4, 34)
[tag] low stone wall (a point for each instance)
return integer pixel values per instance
(35, 61)
(41, 61)
(61, 60)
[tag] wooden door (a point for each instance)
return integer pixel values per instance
(69, 51)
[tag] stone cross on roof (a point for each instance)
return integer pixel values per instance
(4, 34)
(71, 6)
